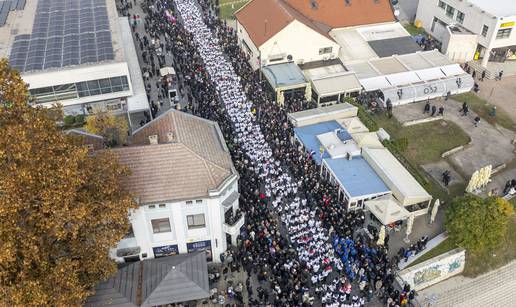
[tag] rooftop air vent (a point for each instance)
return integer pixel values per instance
(347, 2)
(314, 4)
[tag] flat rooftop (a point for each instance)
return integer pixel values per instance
(308, 136)
(498, 8)
(356, 176)
(370, 42)
(391, 46)
(398, 64)
(47, 35)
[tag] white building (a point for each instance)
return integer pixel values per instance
(81, 56)
(471, 29)
(275, 31)
(186, 186)
(356, 163)
(353, 45)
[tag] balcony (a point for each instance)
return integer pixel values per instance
(234, 229)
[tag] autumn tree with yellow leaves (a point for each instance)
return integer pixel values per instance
(112, 128)
(61, 209)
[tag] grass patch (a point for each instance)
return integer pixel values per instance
(483, 108)
(429, 140)
(477, 264)
(413, 30)
(229, 7)
(443, 247)
(426, 143)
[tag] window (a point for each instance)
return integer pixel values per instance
(94, 88)
(503, 33)
(160, 225)
(442, 5)
(325, 50)
(460, 17)
(195, 221)
(484, 30)
(450, 11)
(199, 201)
(152, 206)
(162, 205)
(189, 202)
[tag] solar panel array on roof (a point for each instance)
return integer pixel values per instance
(65, 32)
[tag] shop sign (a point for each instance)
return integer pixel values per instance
(167, 250)
(201, 246)
(507, 24)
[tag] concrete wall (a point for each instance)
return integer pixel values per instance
(180, 235)
(474, 21)
(434, 270)
(459, 47)
(299, 41)
(252, 52)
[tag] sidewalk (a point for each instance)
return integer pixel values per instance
(496, 288)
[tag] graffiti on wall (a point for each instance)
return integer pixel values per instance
(427, 274)
(434, 270)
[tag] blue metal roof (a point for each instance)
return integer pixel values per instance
(285, 74)
(308, 136)
(356, 176)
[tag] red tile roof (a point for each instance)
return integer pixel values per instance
(262, 19)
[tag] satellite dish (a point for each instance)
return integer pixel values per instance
(396, 13)
(289, 57)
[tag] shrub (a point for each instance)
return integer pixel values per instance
(69, 120)
(79, 119)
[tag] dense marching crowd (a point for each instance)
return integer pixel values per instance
(298, 239)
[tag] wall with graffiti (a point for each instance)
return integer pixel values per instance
(434, 270)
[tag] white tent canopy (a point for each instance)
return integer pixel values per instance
(386, 209)
(403, 186)
(167, 71)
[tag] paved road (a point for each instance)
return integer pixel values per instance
(496, 288)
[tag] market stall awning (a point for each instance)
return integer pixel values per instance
(386, 209)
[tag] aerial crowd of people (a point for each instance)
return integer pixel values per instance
(298, 241)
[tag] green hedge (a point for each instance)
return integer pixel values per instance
(69, 120)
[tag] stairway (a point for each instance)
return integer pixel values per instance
(476, 65)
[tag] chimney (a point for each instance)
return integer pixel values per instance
(171, 137)
(153, 139)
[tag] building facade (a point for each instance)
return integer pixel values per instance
(489, 22)
(81, 56)
(186, 186)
